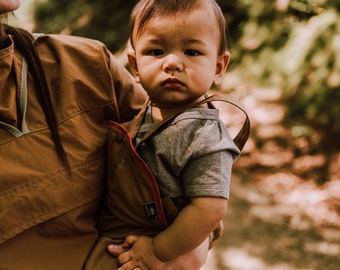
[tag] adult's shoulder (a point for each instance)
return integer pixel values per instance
(73, 53)
(75, 45)
(67, 40)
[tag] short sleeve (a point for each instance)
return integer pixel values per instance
(202, 154)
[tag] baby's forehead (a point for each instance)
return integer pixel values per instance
(204, 12)
(178, 20)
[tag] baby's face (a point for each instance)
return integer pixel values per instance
(176, 57)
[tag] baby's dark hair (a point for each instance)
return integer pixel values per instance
(145, 10)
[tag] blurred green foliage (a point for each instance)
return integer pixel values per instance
(107, 21)
(291, 45)
(294, 46)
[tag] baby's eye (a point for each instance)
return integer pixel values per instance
(155, 52)
(192, 52)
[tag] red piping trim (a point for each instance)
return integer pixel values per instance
(149, 175)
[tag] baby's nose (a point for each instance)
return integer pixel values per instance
(172, 63)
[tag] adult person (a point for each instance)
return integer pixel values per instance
(57, 95)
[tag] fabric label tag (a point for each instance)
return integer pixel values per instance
(150, 210)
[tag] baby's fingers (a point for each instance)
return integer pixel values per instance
(129, 266)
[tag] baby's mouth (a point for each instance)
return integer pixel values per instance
(172, 83)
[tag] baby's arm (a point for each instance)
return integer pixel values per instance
(192, 226)
(189, 230)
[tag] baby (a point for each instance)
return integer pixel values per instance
(179, 52)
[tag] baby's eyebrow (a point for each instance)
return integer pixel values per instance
(194, 41)
(156, 40)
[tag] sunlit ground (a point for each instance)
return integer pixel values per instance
(297, 229)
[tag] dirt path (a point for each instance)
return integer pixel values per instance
(272, 226)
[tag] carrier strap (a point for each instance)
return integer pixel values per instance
(242, 136)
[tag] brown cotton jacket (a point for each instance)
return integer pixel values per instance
(48, 216)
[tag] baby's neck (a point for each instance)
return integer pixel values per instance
(159, 113)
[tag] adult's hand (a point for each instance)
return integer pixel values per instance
(116, 250)
(136, 253)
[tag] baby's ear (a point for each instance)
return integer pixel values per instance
(221, 67)
(133, 65)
